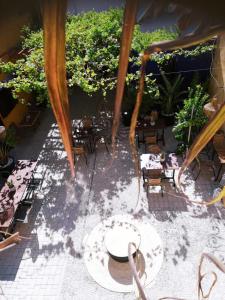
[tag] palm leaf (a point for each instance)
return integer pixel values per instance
(177, 83)
(166, 81)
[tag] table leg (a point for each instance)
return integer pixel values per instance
(173, 178)
(217, 176)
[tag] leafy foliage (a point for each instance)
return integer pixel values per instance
(92, 55)
(163, 58)
(192, 115)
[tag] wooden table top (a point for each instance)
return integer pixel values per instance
(20, 178)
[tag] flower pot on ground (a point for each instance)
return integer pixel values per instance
(11, 186)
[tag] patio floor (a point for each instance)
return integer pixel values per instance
(50, 264)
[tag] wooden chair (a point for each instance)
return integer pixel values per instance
(153, 177)
(79, 150)
(87, 123)
(11, 241)
(155, 149)
(151, 139)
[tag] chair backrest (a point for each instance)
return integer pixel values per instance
(155, 149)
(87, 123)
(154, 115)
(219, 139)
(7, 243)
(153, 173)
(78, 150)
(151, 139)
(150, 132)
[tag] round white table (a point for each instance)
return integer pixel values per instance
(112, 274)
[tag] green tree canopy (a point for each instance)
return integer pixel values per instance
(92, 54)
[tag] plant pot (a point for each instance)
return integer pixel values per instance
(8, 166)
(169, 118)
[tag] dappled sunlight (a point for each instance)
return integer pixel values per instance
(67, 209)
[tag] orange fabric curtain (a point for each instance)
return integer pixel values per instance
(129, 20)
(54, 18)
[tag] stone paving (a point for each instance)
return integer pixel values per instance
(50, 264)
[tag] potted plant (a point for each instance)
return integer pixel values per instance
(11, 186)
(170, 95)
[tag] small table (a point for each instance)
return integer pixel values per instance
(152, 161)
(9, 201)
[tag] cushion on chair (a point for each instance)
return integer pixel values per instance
(154, 181)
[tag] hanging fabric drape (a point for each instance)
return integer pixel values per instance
(129, 20)
(54, 18)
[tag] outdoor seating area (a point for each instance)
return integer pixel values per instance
(102, 194)
(89, 134)
(112, 150)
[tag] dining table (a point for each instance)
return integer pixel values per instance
(169, 162)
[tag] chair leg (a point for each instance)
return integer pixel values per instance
(162, 190)
(147, 190)
(107, 149)
(85, 157)
(218, 174)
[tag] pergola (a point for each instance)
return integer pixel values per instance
(208, 22)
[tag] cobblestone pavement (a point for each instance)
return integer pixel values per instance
(50, 264)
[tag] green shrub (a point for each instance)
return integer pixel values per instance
(191, 117)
